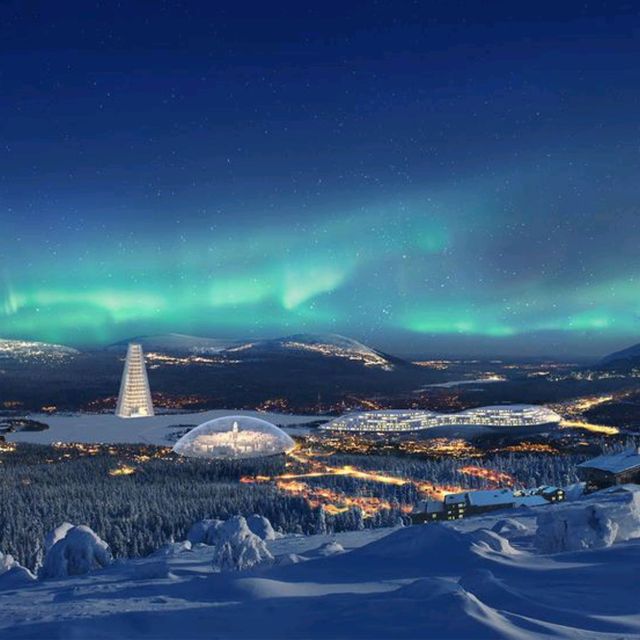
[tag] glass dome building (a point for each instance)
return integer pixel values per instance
(234, 437)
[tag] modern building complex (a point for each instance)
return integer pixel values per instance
(610, 470)
(134, 400)
(513, 415)
(233, 437)
(470, 503)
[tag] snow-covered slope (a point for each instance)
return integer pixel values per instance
(480, 578)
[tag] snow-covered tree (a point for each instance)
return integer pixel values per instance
(78, 552)
(238, 548)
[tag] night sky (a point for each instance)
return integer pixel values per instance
(429, 177)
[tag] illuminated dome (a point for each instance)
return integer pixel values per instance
(234, 437)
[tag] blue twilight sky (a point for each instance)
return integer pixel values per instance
(428, 177)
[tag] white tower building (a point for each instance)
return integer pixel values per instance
(134, 400)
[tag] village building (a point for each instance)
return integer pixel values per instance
(460, 505)
(610, 470)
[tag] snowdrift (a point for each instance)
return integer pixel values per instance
(204, 532)
(427, 581)
(237, 547)
(262, 527)
(422, 550)
(589, 524)
(13, 574)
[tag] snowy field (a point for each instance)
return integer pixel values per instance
(158, 430)
(563, 571)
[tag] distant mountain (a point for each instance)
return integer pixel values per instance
(175, 343)
(301, 345)
(27, 351)
(328, 345)
(300, 372)
(624, 358)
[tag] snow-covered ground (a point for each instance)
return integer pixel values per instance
(159, 430)
(480, 578)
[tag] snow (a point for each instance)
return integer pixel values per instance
(152, 570)
(491, 498)
(330, 549)
(57, 534)
(586, 525)
(486, 498)
(262, 527)
(530, 501)
(6, 562)
(12, 574)
(484, 577)
(509, 526)
(574, 491)
(237, 547)
(489, 540)
(161, 430)
(290, 558)
(173, 549)
(203, 532)
(16, 577)
(77, 552)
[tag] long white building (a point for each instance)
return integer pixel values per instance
(513, 415)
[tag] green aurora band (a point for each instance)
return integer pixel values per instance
(423, 267)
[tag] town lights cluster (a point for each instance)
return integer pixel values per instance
(492, 476)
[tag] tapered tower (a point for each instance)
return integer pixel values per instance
(134, 400)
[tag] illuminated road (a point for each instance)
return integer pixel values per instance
(335, 502)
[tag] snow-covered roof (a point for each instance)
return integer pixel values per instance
(455, 498)
(489, 497)
(429, 506)
(530, 501)
(614, 463)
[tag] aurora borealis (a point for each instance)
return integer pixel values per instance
(428, 179)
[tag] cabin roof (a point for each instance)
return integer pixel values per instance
(614, 463)
(487, 498)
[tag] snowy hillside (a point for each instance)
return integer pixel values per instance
(509, 575)
(328, 345)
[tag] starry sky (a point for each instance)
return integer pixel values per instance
(427, 177)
